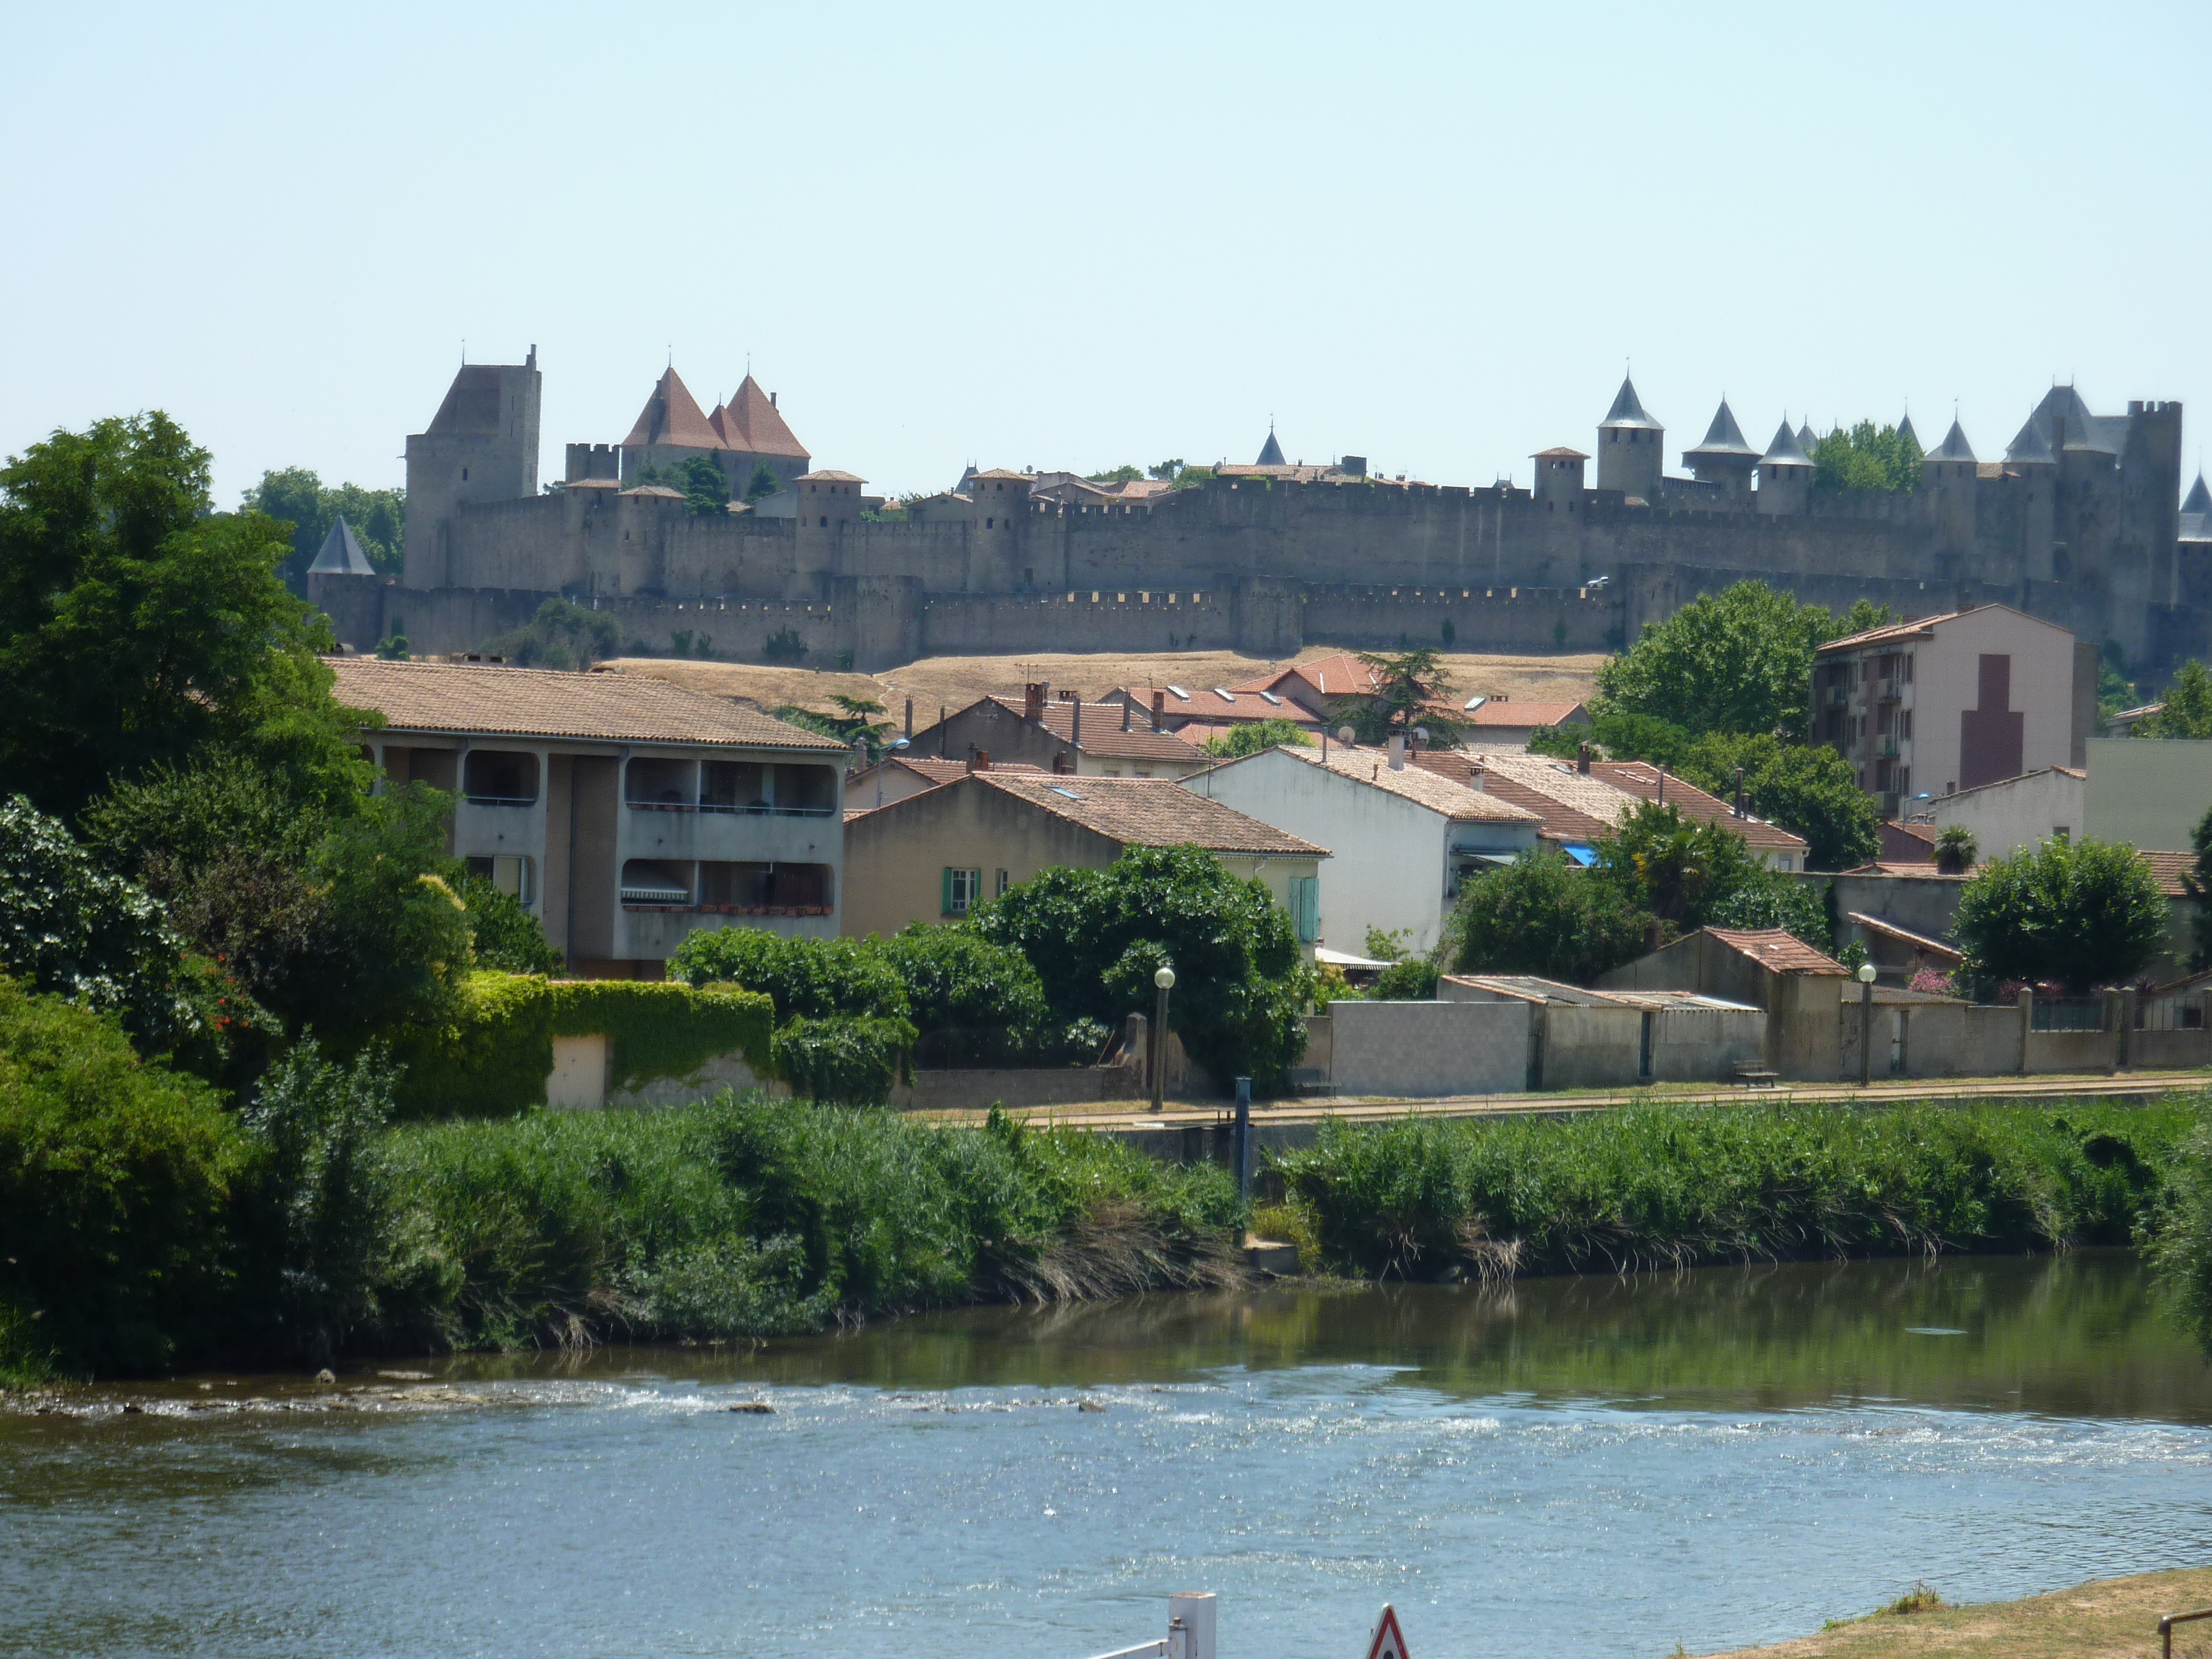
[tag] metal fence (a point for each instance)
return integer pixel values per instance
(2067, 1014)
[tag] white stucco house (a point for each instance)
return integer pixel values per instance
(2017, 814)
(1401, 839)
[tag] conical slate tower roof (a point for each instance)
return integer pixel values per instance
(1271, 453)
(1723, 436)
(341, 554)
(1905, 428)
(1955, 447)
(2032, 447)
(1785, 450)
(1628, 410)
(2199, 499)
(672, 416)
(1807, 439)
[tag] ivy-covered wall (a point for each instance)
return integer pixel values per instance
(492, 1056)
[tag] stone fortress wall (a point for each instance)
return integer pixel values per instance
(2084, 530)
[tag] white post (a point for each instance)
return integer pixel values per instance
(1194, 1610)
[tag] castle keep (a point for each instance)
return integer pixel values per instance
(2080, 523)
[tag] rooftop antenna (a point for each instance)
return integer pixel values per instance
(464, 350)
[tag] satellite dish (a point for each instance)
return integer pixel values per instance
(1347, 736)
(1421, 733)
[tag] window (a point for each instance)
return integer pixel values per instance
(1005, 882)
(1785, 861)
(1305, 907)
(2062, 832)
(962, 889)
(510, 873)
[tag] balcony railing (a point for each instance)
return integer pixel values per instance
(501, 800)
(756, 812)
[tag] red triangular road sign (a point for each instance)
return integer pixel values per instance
(1389, 1641)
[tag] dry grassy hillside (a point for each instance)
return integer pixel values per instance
(956, 682)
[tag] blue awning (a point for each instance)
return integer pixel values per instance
(1580, 854)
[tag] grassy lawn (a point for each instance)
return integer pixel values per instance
(2104, 1618)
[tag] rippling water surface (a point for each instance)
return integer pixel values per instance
(1599, 1466)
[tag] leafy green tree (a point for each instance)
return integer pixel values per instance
(1809, 791)
(1543, 916)
(1677, 869)
(378, 518)
(1252, 737)
(1867, 457)
(2186, 711)
(2196, 882)
(116, 1176)
(69, 927)
(1123, 474)
(1166, 472)
(1739, 660)
(503, 934)
(817, 978)
(1616, 734)
(853, 724)
(706, 487)
(762, 484)
(1956, 850)
(562, 635)
(1096, 937)
(2080, 912)
(1412, 689)
(2115, 690)
(137, 628)
(980, 1003)
(401, 931)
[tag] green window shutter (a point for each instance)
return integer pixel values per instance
(945, 908)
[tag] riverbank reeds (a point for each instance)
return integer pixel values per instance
(1679, 1186)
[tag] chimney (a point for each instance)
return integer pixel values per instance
(1397, 751)
(771, 400)
(1663, 786)
(1582, 758)
(1075, 729)
(909, 719)
(1033, 702)
(983, 760)
(942, 752)
(1159, 710)
(1481, 781)
(1128, 710)
(1739, 791)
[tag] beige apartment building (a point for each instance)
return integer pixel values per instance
(933, 855)
(1924, 709)
(626, 813)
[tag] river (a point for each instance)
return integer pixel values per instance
(1595, 1466)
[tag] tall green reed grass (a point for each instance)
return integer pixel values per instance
(1661, 1186)
(744, 1217)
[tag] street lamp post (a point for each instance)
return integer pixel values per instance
(1164, 979)
(1866, 1024)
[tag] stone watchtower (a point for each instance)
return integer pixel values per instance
(1952, 477)
(1724, 457)
(1558, 483)
(481, 445)
(1785, 473)
(1001, 514)
(828, 501)
(1630, 445)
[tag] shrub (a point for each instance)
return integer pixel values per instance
(319, 1230)
(980, 1003)
(851, 1060)
(1096, 938)
(502, 933)
(116, 1175)
(1542, 915)
(813, 978)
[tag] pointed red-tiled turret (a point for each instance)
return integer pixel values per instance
(751, 422)
(672, 416)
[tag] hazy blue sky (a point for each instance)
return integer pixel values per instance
(1062, 237)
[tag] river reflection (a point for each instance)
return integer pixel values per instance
(1600, 1466)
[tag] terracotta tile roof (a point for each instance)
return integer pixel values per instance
(1417, 784)
(1495, 714)
(1219, 703)
(658, 492)
(1326, 677)
(1642, 780)
(1148, 812)
(1008, 474)
(831, 476)
(1923, 870)
(1905, 936)
(1555, 820)
(946, 771)
(751, 422)
(1920, 628)
(610, 707)
(1102, 735)
(672, 416)
(1558, 453)
(2168, 868)
(1776, 951)
(1557, 780)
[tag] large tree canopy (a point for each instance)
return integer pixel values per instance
(1868, 457)
(297, 494)
(1738, 660)
(136, 627)
(2079, 913)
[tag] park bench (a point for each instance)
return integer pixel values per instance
(1754, 1077)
